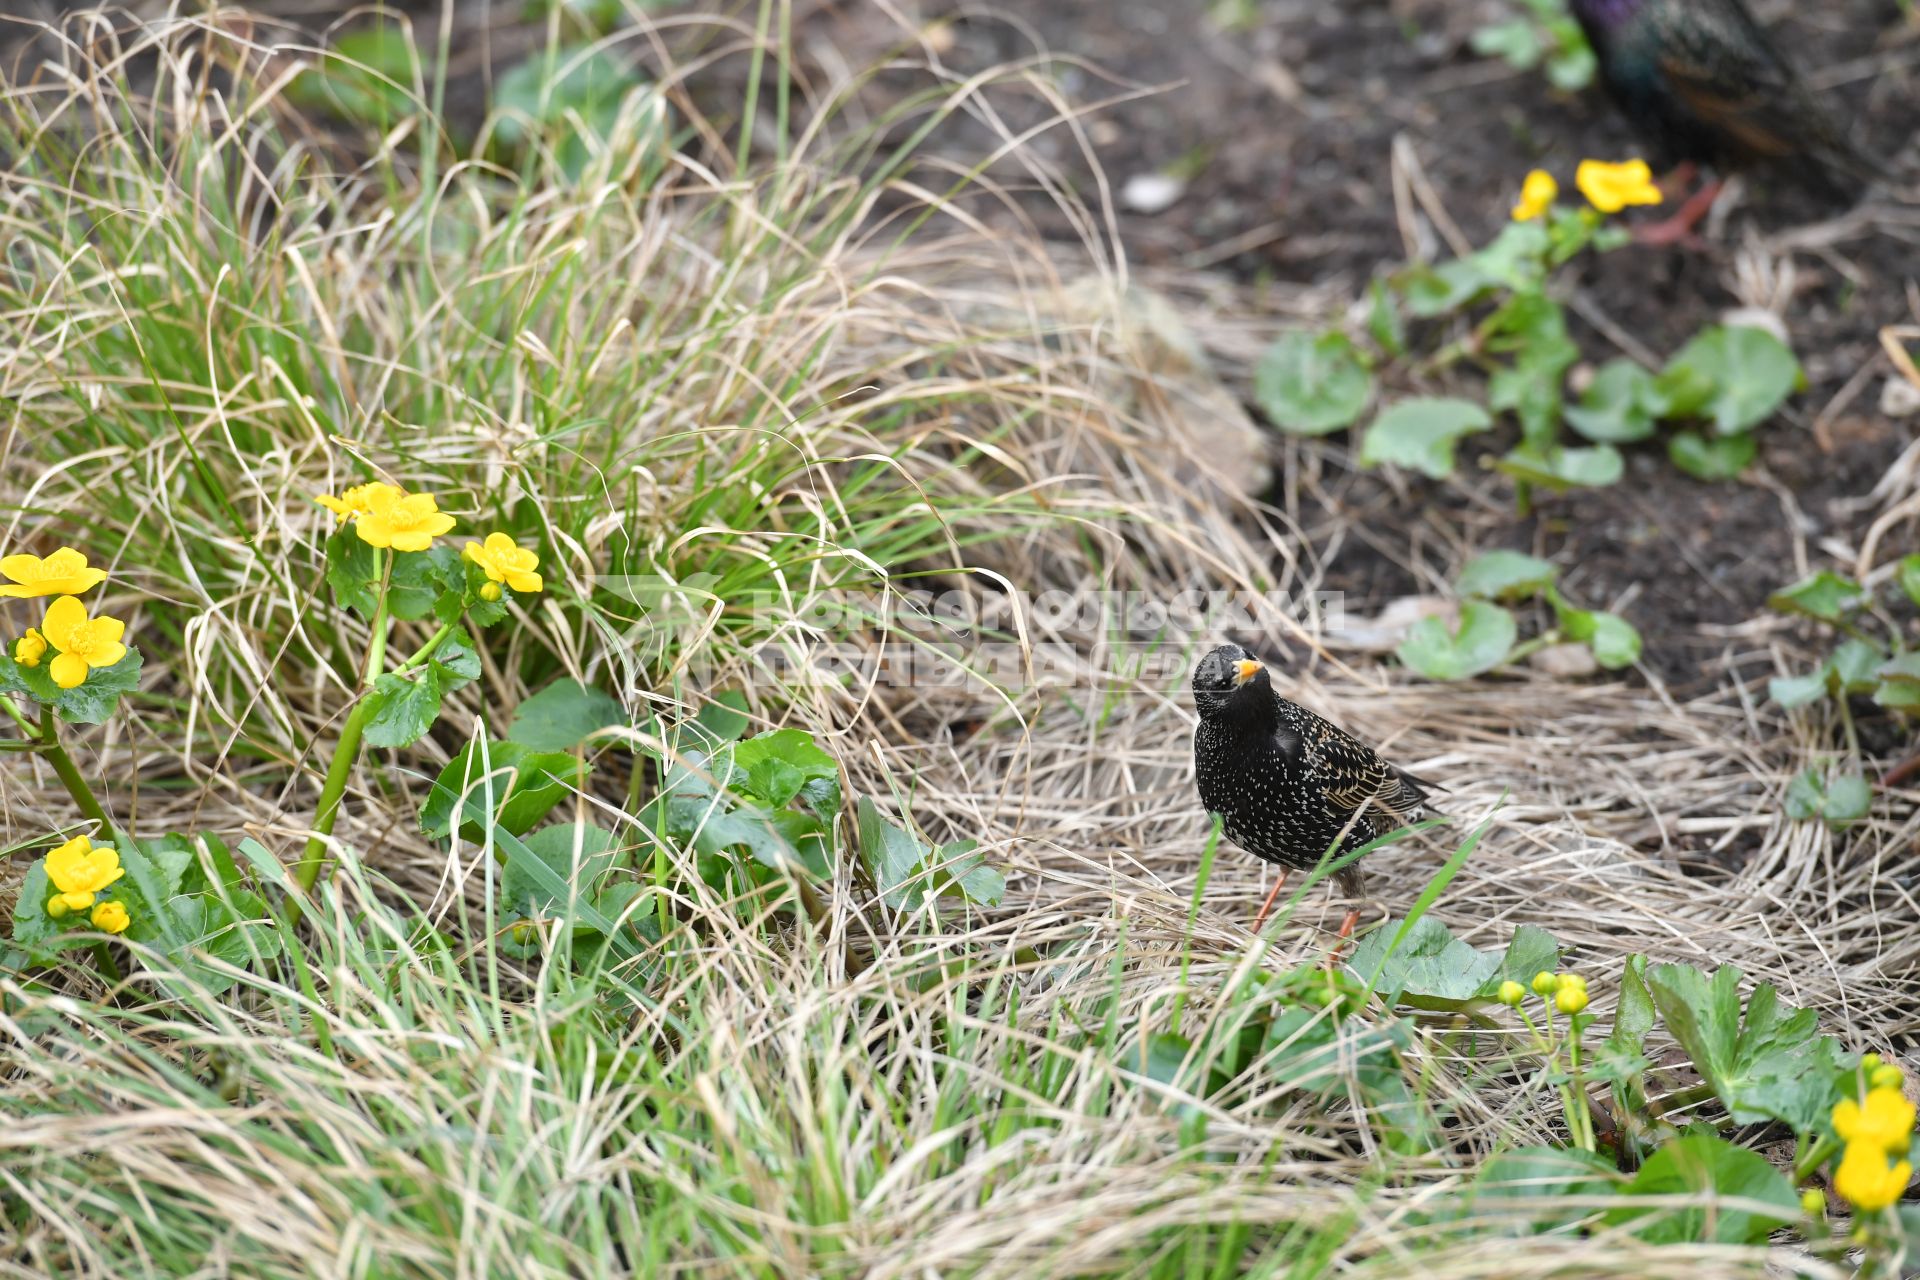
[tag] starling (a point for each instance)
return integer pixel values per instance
(1286, 783)
(1703, 84)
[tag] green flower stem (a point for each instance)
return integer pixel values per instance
(70, 775)
(377, 649)
(1812, 1159)
(426, 650)
(19, 717)
(346, 753)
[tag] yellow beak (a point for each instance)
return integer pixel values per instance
(1245, 671)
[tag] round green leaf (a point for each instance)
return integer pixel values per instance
(1616, 407)
(1420, 434)
(1711, 457)
(1507, 575)
(1311, 385)
(1826, 596)
(1559, 468)
(1485, 637)
(1752, 373)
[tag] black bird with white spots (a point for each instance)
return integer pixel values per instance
(1286, 782)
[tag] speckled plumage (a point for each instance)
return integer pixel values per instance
(1702, 81)
(1285, 781)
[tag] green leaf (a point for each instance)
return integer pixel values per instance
(33, 928)
(403, 709)
(724, 717)
(1768, 1063)
(904, 868)
(234, 928)
(1752, 373)
(578, 853)
(1617, 406)
(1839, 800)
(1383, 319)
(1485, 637)
(364, 77)
(1798, 691)
(1561, 468)
(1436, 291)
(1897, 683)
(1909, 577)
(455, 663)
(578, 93)
(1531, 950)
(1719, 1175)
(563, 715)
(93, 701)
(1309, 385)
(524, 786)
(1712, 458)
(1622, 1057)
(780, 763)
(1614, 641)
(1856, 667)
(1825, 595)
(1429, 962)
(1534, 1183)
(1421, 434)
(1534, 328)
(1517, 41)
(420, 577)
(351, 571)
(1507, 575)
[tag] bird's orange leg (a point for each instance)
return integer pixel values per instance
(1679, 228)
(1278, 885)
(1340, 939)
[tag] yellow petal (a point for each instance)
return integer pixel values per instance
(20, 568)
(65, 618)
(68, 671)
(107, 630)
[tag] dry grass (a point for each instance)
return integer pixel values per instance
(692, 366)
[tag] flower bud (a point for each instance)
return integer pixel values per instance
(1886, 1076)
(1511, 994)
(1868, 1061)
(1813, 1202)
(1569, 999)
(57, 907)
(489, 591)
(1545, 984)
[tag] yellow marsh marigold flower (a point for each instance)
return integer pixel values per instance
(505, 561)
(406, 522)
(1867, 1181)
(64, 573)
(360, 499)
(111, 917)
(1885, 1122)
(1570, 999)
(1612, 187)
(1537, 195)
(79, 871)
(30, 648)
(83, 642)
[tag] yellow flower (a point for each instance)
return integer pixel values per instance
(1537, 195)
(504, 561)
(30, 648)
(78, 871)
(111, 917)
(1885, 1122)
(1612, 187)
(1569, 999)
(405, 522)
(360, 499)
(64, 573)
(1867, 1181)
(1511, 994)
(84, 643)
(1545, 984)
